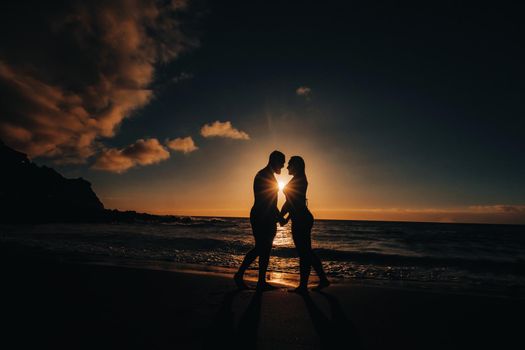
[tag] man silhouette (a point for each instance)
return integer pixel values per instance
(263, 218)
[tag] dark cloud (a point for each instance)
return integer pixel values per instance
(142, 152)
(71, 72)
(181, 77)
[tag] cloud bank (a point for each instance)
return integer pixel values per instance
(489, 214)
(223, 129)
(182, 144)
(71, 72)
(142, 152)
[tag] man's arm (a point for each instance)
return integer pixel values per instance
(281, 215)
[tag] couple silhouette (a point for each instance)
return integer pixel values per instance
(265, 215)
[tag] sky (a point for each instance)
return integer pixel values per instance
(401, 112)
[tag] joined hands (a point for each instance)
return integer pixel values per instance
(283, 221)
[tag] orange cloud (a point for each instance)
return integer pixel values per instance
(142, 152)
(182, 144)
(223, 129)
(303, 91)
(499, 208)
(87, 68)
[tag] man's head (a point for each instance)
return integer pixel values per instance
(276, 161)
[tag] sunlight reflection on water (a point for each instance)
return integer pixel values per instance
(283, 238)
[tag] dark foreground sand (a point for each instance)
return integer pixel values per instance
(51, 304)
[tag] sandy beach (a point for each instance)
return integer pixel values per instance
(50, 302)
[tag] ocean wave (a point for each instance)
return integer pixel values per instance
(476, 254)
(239, 247)
(512, 266)
(188, 221)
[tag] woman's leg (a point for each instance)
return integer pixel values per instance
(318, 267)
(314, 259)
(305, 265)
(301, 244)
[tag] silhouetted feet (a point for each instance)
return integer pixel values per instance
(239, 282)
(299, 290)
(322, 284)
(264, 287)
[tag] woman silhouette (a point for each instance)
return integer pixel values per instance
(302, 222)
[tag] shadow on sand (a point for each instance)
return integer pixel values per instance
(225, 333)
(334, 330)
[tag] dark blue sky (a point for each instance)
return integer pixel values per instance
(417, 107)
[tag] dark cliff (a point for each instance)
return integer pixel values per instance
(31, 193)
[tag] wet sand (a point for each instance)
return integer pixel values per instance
(50, 303)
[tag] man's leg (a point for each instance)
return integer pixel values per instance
(249, 258)
(264, 246)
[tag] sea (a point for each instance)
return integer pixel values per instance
(460, 258)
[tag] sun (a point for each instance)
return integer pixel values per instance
(281, 184)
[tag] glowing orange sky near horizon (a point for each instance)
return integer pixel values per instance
(329, 197)
(217, 180)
